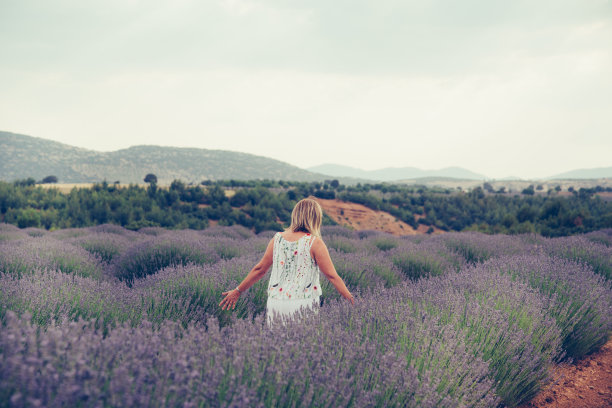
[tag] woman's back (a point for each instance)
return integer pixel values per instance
(295, 274)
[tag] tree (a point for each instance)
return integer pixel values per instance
(177, 185)
(334, 184)
(25, 182)
(150, 178)
(529, 190)
(488, 187)
(49, 179)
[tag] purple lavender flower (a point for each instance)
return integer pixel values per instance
(22, 256)
(577, 298)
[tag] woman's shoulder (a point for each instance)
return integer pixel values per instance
(316, 242)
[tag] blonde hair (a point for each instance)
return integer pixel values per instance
(307, 216)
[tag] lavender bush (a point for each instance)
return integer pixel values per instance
(478, 247)
(603, 237)
(234, 231)
(188, 293)
(173, 248)
(9, 232)
(361, 271)
(336, 230)
(35, 232)
(501, 320)
(153, 231)
(66, 233)
(459, 319)
(49, 295)
(384, 243)
(22, 256)
(578, 299)
(343, 244)
(580, 248)
(243, 364)
(112, 229)
(425, 259)
(103, 245)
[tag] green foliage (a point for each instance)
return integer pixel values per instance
(151, 256)
(49, 179)
(416, 265)
(267, 204)
(385, 244)
(150, 178)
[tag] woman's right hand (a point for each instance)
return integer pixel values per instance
(351, 299)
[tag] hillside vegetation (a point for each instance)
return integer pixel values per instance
(24, 156)
(267, 205)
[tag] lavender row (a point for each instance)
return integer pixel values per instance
(325, 360)
(579, 299)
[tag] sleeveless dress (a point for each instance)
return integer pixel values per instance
(294, 280)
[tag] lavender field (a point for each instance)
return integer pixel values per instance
(105, 316)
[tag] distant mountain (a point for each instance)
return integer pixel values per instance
(395, 173)
(25, 156)
(595, 173)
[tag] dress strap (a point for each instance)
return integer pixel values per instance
(311, 241)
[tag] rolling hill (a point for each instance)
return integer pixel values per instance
(24, 156)
(396, 173)
(595, 173)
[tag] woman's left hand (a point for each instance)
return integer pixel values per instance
(231, 297)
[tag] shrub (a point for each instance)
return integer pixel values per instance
(242, 364)
(187, 293)
(384, 243)
(51, 296)
(23, 256)
(501, 320)
(361, 270)
(429, 258)
(581, 249)
(103, 245)
(234, 231)
(336, 230)
(478, 247)
(603, 237)
(578, 299)
(343, 244)
(9, 232)
(173, 248)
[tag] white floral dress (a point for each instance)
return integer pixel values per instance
(294, 280)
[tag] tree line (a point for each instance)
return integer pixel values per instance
(267, 204)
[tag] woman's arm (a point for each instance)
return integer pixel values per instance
(321, 256)
(258, 272)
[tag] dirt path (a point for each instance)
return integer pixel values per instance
(360, 217)
(585, 384)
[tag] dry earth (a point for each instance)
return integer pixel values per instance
(585, 384)
(360, 217)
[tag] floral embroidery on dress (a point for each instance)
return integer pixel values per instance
(294, 269)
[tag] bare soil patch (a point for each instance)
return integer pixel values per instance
(360, 217)
(586, 383)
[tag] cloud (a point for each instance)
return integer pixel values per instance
(365, 37)
(481, 84)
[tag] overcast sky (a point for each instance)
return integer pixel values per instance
(503, 88)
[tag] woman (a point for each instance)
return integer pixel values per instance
(296, 256)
